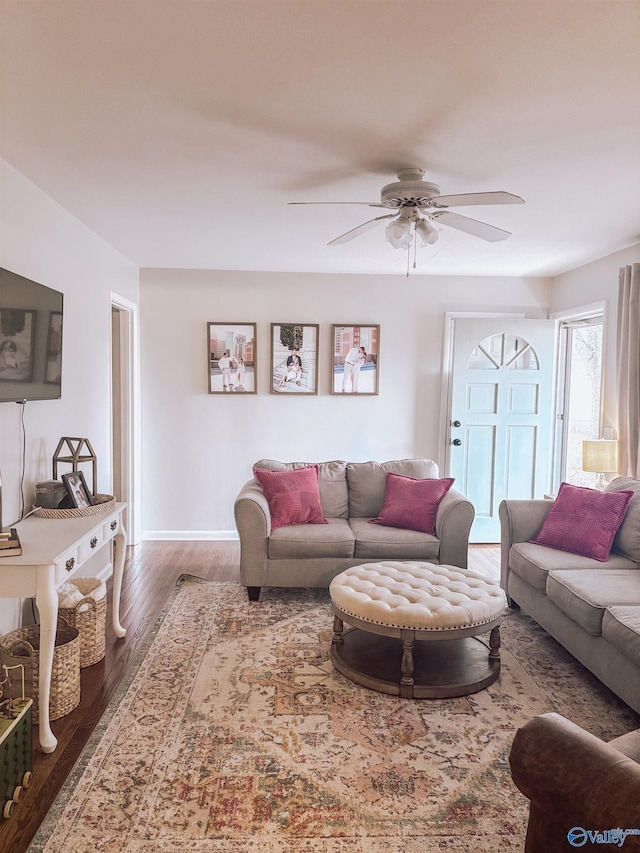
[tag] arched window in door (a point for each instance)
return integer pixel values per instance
(504, 352)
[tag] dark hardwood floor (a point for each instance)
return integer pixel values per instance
(151, 572)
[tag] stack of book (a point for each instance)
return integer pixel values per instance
(10, 543)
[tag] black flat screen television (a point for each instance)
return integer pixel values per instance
(30, 340)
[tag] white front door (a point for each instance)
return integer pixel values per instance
(500, 418)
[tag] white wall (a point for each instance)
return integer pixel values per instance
(198, 449)
(597, 282)
(42, 241)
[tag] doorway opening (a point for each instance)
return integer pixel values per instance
(580, 347)
(125, 422)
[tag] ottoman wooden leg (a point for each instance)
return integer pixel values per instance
(406, 682)
(494, 644)
(338, 626)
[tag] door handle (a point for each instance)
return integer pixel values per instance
(456, 423)
(456, 442)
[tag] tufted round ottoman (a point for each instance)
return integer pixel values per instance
(393, 601)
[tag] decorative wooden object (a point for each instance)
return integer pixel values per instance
(16, 761)
(76, 451)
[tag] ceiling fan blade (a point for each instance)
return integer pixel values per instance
(428, 258)
(359, 229)
(367, 203)
(477, 198)
(471, 226)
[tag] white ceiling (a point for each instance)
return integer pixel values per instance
(178, 130)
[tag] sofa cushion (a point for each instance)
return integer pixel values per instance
(621, 628)
(627, 541)
(293, 496)
(332, 482)
(584, 596)
(534, 562)
(584, 521)
(412, 504)
(367, 482)
(628, 744)
(334, 539)
(378, 542)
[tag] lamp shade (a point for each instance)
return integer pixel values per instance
(600, 456)
(398, 233)
(428, 234)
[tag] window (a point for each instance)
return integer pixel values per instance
(578, 405)
(503, 352)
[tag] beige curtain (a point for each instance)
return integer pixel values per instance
(628, 363)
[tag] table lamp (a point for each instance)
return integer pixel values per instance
(601, 457)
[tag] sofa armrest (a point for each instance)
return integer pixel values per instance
(453, 522)
(253, 522)
(519, 522)
(573, 779)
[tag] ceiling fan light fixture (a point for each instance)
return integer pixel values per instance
(416, 205)
(398, 233)
(428, 234)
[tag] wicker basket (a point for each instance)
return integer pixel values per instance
(90, 618)
(102, 503)
(22, 646)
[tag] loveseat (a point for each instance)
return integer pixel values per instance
(350, 493)
(577, 784)
(590, 606)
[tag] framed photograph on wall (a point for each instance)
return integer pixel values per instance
(355, 354)
(294, 358)
(232, 358)
(17, 340)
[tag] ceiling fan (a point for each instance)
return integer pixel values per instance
(418, 205)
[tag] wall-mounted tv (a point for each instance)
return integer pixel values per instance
(30, 340)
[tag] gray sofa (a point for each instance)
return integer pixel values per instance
(592, 608)
(311, 555)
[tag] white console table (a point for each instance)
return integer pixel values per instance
(53, 551)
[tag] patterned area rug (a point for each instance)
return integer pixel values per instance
(233, 734)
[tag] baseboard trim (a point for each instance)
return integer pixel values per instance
(191, 535)
(104, 574)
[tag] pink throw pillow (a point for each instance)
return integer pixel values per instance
(584, 521)
(412, 504)
(293, 496)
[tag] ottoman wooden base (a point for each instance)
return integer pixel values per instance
(441, 668)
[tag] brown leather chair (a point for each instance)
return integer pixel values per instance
(575, 781)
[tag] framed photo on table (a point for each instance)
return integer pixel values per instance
(77, 489)
(294, 358)
(355, 352)
(232, 358)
